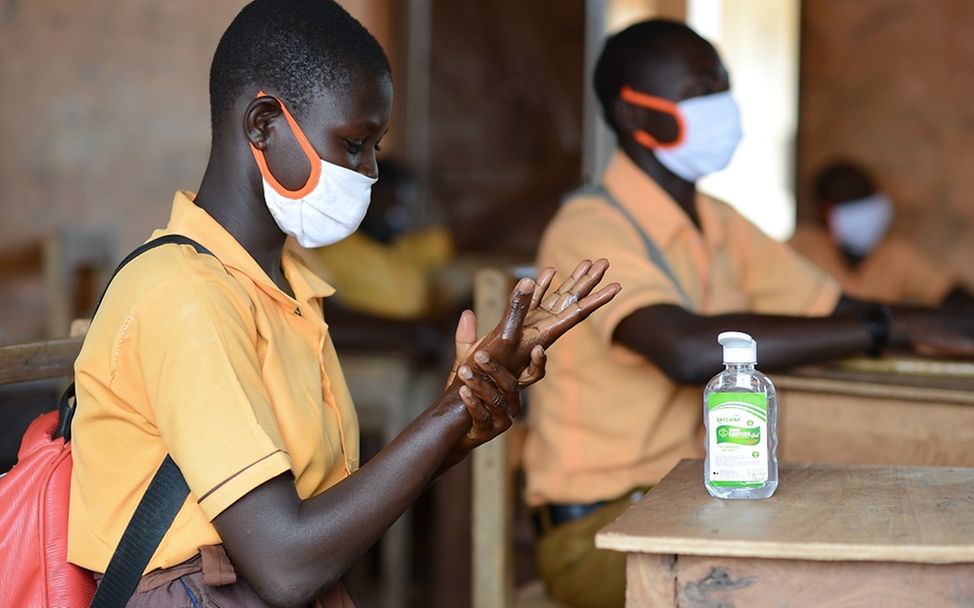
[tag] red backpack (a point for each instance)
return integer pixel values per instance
(34, 498)
(34, 520)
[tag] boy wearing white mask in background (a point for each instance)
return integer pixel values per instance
(851, 241)
(623, 403)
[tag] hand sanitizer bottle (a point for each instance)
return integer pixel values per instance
(740, 412)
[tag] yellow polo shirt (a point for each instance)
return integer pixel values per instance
(606, 420)
(206, 359)
(896, 271)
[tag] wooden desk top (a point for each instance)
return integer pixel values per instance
(819, 512)
(883, 379)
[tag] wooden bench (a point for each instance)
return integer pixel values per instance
(32, 376)
(43, 360)
(832, 535)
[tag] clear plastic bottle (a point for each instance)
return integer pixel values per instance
(740, 412)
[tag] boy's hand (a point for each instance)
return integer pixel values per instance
(513, 356)
(466, 341)
(536, 318)
(492, 397)
(945, 341)
(944, 333)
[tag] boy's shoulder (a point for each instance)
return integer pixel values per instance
(588, 209)
(170, 276)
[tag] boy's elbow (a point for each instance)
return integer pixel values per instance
(685, 374)
(283, 585)
(683, 366)
(281, 596)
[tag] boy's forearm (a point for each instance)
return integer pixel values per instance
(306, 546)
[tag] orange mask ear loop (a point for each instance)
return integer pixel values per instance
(309, 151)
(645, 100)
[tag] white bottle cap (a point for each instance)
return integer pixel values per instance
(738, 347)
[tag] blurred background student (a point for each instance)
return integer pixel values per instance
(852, 239)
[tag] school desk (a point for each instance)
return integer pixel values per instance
(832, 535)
(882, 411)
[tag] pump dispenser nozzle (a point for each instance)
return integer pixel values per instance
(738, 347)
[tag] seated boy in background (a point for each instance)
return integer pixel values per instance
(851, 241)
(623, 400)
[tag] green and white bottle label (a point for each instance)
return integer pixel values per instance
(737, 425)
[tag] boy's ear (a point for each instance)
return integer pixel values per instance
(629, 118)
(625, 116)
(258, 120)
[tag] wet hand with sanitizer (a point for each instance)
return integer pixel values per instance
(740, 412)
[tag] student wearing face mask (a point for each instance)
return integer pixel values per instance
(218, 355)
(622, 404)
(851, 241)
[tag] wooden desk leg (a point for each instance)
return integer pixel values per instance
(650, 580)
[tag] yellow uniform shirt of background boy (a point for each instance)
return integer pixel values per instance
(607, 420)
(895, 271)
(207, 359)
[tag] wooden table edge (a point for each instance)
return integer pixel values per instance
(831, 552)
(871, 388)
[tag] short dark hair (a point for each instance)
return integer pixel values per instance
(842, 180)
(298, 47)
(627, 52)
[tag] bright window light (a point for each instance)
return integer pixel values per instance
(758, 40)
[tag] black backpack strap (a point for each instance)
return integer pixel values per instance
(169, 239)
(152, 518)
(162, 499)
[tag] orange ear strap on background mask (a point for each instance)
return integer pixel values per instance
(313, 159)
(652, 102)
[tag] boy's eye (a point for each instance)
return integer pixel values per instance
(353, 147)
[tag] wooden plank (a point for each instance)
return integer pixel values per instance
(825, 427)
(820, 512)
(703, 581)
(492, 559)
(908, 366)
(650, 580)
(890, 387)
(38, 360)
(921, 390)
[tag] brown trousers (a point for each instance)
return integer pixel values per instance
(209, 581)
(576, 573)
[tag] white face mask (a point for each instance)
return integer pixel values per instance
(859, 225)
(328, 208)
(709, 131)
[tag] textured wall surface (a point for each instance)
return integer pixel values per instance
(106, 114)
(891, 83)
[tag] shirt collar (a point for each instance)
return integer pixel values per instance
(296, 269)
(655, 210)
(190, 220)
